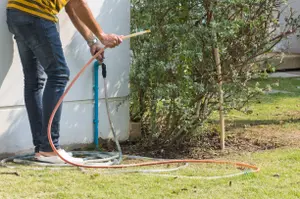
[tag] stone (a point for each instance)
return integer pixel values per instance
(135, 130)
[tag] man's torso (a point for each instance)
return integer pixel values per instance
(47, 9)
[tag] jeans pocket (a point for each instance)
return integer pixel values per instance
(23, 26)
(19, 18)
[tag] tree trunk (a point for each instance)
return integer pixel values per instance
(221, 96)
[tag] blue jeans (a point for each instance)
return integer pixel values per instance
(40, 50)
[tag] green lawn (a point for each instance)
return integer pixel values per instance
(279, 176)
(283, 105)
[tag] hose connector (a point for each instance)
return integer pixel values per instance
(104, 72)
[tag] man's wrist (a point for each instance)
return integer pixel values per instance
(91, 41)
(100, 36)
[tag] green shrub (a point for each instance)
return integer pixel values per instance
(173, 80)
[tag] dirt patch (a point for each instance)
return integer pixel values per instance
(206, 146)
(269, 136)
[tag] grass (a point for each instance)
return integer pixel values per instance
(274, 107)
(279, 178)
(274, 115)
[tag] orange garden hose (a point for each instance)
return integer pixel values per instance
(237, 164)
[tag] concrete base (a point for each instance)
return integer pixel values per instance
(289, 62)
(135, 130)
(285, 74)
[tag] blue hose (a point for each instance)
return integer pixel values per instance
(96, 98)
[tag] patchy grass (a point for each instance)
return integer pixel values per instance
(273, 107)
(274, 118)
(274, 124)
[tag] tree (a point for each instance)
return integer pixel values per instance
(174, 81)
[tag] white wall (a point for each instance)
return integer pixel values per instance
(77, 117)
(292, 43)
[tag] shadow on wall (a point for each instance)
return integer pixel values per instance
(10, 119)
(117, 59)
(15, 121)
(6, 44)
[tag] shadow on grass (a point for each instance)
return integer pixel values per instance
(247, 122)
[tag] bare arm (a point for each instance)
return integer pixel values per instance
(79, 25)
(84, 21)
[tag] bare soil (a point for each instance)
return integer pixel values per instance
(239, 140)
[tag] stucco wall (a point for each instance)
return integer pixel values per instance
(292, 43)
(77, 117)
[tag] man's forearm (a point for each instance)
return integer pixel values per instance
(83, 30)
(83, 19)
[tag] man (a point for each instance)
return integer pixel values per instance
(34, 26)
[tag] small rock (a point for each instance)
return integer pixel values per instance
(276, 175)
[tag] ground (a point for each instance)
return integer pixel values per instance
(269, 137)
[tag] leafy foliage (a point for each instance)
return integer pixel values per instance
(174, 83)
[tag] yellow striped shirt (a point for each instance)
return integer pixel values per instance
(47, 9)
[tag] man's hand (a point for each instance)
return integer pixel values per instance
(111, 40)
(84, 21)
(96, 48)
